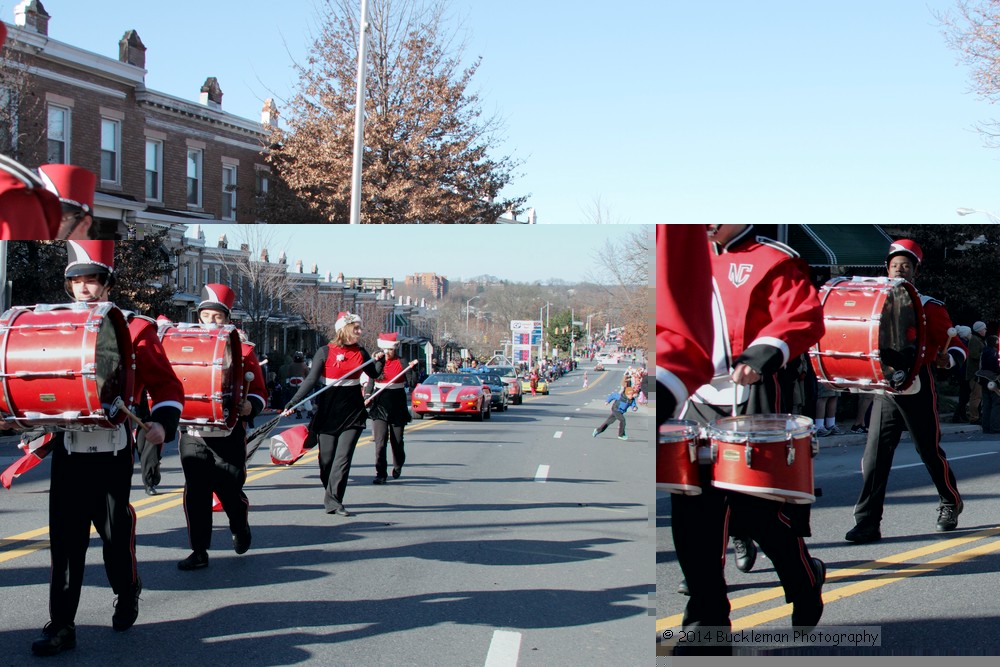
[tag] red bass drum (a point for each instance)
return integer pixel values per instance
(65, 366)
(209, 363)
(875, 331)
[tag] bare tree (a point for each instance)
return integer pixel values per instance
(427, 142)
(259, 284)
(625, 266)
(973, 30)
(599, 213)
(20, 108)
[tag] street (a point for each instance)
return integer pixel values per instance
(924, 591)
(521, 540)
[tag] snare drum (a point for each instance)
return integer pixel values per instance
(768, 455)
(64, 365)
(875, 331)
(209, 363)
(677, 449)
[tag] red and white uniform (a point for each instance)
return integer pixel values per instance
(765, 312)
(342, 365)
(683, 311)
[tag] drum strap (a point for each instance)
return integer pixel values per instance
(91, 442)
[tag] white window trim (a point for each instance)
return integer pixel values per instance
(67, 130)
(236, 175)
(159, 169)
(201, 176)
(117, 180)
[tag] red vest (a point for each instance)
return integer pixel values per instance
(341, 362)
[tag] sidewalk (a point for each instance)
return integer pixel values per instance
(849, 438)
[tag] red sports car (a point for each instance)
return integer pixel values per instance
(452, 394)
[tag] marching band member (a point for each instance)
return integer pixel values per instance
(914, 410)
(766, 312)
(92, 476)
(340, 411)
(74, 186)
(214, 461)
(390, 410)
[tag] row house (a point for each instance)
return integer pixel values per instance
(160, 160)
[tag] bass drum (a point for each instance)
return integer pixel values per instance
(874, 339)
(209, 363)
(65, 366)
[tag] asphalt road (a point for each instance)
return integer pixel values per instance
(520, 540)
(927, 593)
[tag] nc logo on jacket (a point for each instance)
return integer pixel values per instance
(738, 275)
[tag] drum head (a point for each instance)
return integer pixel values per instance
(112, 369)
(899, 336)
(760, 428)
(678, 430)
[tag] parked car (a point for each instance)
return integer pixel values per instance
(452, 394)
(498, 389)
(509, 376)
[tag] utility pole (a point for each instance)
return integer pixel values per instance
(359, 118)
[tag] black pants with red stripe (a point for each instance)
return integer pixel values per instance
(891, 415)
(89, 488)
(214, 465)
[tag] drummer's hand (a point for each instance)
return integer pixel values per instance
(743, 374)
(942, 360)
(155, 435)
(245, 408)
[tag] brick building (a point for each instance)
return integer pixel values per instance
(160, 160)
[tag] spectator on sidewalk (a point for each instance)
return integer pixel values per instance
(989, 367)
(861, 419)
(977, 341)
(960, 372)
(826, 411)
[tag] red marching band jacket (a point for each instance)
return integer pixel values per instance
(766, 312)
(258, 385)
(683, 312)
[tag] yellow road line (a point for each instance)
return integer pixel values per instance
(158, 503)
(858, 570)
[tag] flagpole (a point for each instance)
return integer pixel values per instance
(359, 118)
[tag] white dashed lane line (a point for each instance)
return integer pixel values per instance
(504, 649)
(542, 474)
(557, 434)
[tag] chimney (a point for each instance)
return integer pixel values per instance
(31, 15)
(531, 216)
(245, 247)
(283, 258)
(223, 241)
(315, 268)
(269, 114)
(263, 255)
(211, 93)
(298, 266)
(131, 50)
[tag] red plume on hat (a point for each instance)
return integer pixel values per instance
(73, 185)
(905, 247)
(388, 341)
(215, 296)
(88, 258)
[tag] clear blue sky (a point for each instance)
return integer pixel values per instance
(520, 253)
(582, 86)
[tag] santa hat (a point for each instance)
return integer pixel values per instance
(344, 318)
(73, 185)
(388, 341)
(216, 296)
(88, 258)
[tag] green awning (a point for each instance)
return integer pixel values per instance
(840, 245)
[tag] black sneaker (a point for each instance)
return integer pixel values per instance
(379, 480)
(127, 608)
(241, 542)
(861, 534)
(54, 639)
(746, 554)
(396, 472)
(948, 516)
(807, 612)
(196, 561)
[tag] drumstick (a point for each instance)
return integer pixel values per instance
(119, 404)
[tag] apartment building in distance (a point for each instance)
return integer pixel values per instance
(437, 285)
(161, 160)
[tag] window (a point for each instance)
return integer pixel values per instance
(110, 149)
(154, 169)
(229, 192)
(194, 177)
(204, 275)
(58, 135)
(263, 179)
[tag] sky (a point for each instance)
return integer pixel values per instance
(518, 253)
(671, 111)
(580, 88)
